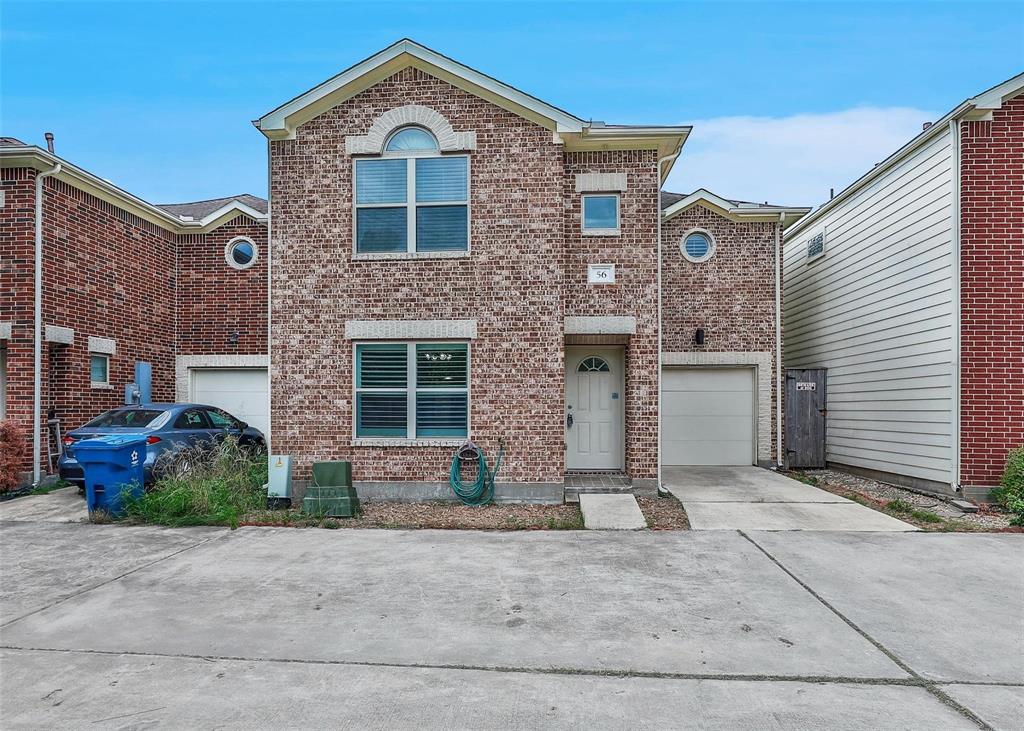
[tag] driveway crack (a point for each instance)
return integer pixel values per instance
(929, 685)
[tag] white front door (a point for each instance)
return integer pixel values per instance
(593, 408)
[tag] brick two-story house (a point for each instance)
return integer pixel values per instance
(452, 258)
(182, 287)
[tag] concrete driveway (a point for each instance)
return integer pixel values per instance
(752, 498)
(103, 626)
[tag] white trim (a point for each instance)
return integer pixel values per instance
(779, 447)
(600, 325)
(281, 122)
(761, 362)
(712, 246)
(374, 142)
(410, 330)
(105, 346)
(980, 106)
(185, 364)
(733, 211)
(60, 335)
(229, 246)
(600, 182)
(617, 231)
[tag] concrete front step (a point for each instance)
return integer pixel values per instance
(572, 494)
(603, 511)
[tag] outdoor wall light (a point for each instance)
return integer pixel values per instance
(233, 337)
(698, 337)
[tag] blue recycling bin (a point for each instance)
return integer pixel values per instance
(114, 468)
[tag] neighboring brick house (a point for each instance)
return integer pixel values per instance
(908, 287)
(453, 258)
(123, 281)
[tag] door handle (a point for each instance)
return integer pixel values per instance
(568, 421)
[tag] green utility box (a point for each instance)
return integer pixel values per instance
(331, 492)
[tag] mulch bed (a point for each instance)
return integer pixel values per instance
(438, 515)
(664, 513)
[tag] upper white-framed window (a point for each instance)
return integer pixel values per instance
(411, 199)
(816, 247)
(600, 214)
(411, 390)
(241, 252)
(99, 370)
(697, 245)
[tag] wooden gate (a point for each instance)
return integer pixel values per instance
(805, 417)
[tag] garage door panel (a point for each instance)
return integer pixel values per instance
(242, 392)
(697, 428)
(707, 379)
(727, 403)
(709, 452)
(707, 416)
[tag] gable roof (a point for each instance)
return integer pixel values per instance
(672, 204)
(576, 133)
(978, 107)
(201, 209)
(16, 154)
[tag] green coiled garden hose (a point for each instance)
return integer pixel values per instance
(481, 490)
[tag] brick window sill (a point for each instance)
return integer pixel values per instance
(411, 255)
(407, 442)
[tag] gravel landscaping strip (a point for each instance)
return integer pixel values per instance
(879, 495)
(664, 513)
(437, 515)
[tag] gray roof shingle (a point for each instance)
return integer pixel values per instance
(200, 209)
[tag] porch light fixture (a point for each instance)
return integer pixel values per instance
(698, 337)
(233, 337)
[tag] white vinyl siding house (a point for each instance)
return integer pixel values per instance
(876, 306)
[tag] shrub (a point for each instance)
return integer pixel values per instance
(1010, 493)
(212, 484)
(12, 455)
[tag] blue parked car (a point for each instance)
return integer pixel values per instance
(168, 427)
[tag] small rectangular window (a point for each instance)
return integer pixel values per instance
(601, 215)
(412, 390)
(99, 370)
(816, 246)
(415, 204)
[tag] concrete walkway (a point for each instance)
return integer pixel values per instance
(103, 626)
(603, 511)
(65, 505)
(751, 498)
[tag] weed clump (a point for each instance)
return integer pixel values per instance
(1010, 493)
(210, 484)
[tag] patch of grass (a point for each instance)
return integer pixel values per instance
(207, 485)
(904, 507)
(574, 522)
(805, 478)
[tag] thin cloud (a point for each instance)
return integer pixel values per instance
(791, 160)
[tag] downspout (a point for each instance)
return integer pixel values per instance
(779, 463)
(661, 162)
(954, 131)
(37, 371)
(270, 262)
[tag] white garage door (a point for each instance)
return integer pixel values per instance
(242, 392)
(707, 416)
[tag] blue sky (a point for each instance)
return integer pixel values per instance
(787, 99)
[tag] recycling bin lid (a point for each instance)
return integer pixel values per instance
(111, 440)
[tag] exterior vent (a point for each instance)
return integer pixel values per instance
(816, 246)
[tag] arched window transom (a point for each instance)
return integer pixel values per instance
(411, 139)
(593, 364)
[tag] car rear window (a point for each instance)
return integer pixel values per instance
(127, 417)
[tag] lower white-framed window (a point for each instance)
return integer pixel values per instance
(99, 369)
(412, 390)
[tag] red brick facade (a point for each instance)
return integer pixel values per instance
(731, 296)
(524, 273)
(991, 294)
(108, 273)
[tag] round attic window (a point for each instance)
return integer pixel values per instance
(697, 246)
(241, 253)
